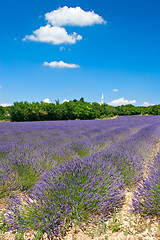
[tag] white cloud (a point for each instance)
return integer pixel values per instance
(0, 86)
(73, 17)
(55, 35)
(121, 101)
(146, 104)
(60, 64)
(115, 90)
(65, 100)
(5, 104)
(46, 100)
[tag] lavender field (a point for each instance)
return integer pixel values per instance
(57, 174)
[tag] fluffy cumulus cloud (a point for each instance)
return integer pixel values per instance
(115, 90)
(146, 104)
(73, 17)
(121, 101)
(65, 100)
(55, 35)
(61, 64)
(46, 100)
(5, 104)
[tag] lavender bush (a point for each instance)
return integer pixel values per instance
(146, 198)
(79, 190)
(19, 172)
(76, 171)
(131, 155)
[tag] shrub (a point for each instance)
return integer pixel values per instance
(78, 191)
(147, 196)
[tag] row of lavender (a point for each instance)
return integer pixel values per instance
(32, 148)
(146, 200)
(76, 170)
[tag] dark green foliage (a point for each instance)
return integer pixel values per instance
(128, 110)
(82, 99)
(1, 110)
(151, 110)
(57, 101)
(5, 113)
(24, 111)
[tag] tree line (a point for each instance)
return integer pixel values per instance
(76, 109)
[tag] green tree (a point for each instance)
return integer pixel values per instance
(81, 99)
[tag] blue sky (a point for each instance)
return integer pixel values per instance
(75, 52)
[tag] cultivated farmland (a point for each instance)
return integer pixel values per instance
(77, 179)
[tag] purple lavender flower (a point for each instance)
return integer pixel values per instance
(75, 191)
(146, 198)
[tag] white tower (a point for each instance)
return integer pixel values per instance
(102, 99)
